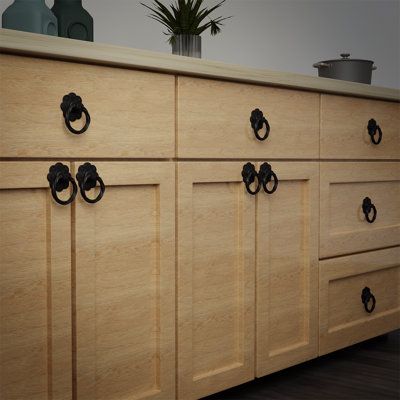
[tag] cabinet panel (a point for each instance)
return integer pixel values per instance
(124, 285)
(216, 229)
(214, 120)
(344, 132)
(343, 225)
(343, 318)
(35, 286)
(132, 112)
(287, 268)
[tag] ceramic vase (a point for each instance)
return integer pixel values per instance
(74, 21)
(30, 16)
(187, 45)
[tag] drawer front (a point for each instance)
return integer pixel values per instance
(344, 227)
(214, 121)
(131, 112)
(344, 319)
(344, 128)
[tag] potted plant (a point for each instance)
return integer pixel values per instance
(185, 21)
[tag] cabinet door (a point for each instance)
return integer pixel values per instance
(35, 286)
(216, 231)
(124, 288)
(287, 268)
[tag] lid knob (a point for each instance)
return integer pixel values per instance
(345, 55)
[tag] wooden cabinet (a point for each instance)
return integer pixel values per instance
(344, 228)
(124, 274)
(343, 317)
(87, 292)
(35, 286)
(214, 120)
(344, 133)
(132, 112)
(287, 268)
(216, 278)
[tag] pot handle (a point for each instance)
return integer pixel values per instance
(321, 65)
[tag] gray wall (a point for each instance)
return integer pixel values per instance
(283, 35)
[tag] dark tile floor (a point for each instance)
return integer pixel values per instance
(366, 371)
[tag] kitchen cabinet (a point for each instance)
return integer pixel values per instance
(229, 223)
(287, 268)
(88, 287)
(215, 279)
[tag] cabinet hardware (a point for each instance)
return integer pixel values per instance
(72, 108)
(257, 121)
(59, 179)
(266, 175)
(367, 207)
(249, 175)
(366, 296)
(373, 128)
(87, 178)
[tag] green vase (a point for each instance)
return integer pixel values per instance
(30, 16)
(74, 21)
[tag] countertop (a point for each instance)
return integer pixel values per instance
(15, 42)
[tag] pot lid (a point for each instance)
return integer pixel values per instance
(346, 57)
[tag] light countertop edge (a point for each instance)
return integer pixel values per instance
(15, 42)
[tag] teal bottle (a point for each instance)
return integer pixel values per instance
(30, 16)
(74, 21)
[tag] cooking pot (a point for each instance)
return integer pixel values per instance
(346, 69)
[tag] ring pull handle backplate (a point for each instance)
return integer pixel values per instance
(88, 178)
(249, 175)
(373, 129)
(266, 175)
(367, 207)
(368, 299)
(59, 179)
(257, 121)
(73, 108)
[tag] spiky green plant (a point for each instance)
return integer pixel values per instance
(185, 17)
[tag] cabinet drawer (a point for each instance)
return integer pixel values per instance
(132, 112)
(214, 121)
(344, 132)
(344, 319)
(344, 228)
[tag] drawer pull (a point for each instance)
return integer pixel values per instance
(257, 121)
(367, 207)
(59, 179)
(72, 108)
(373, 128)
(266, 175)
(249, 175)
(366, 297)
(87, 178)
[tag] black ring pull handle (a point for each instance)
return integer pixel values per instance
(374, 128)
(88, 178)
(73, 108)
(249, 175)
(59, 179)
(368, 300)
(266, 175)
(257, 121)
(367, 207)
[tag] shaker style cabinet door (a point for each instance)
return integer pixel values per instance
(35, 286)
(124, 283)
(287, 268)
(360, 207)
(216, 229)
